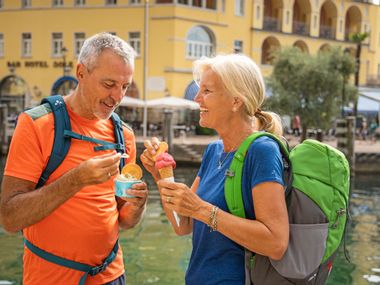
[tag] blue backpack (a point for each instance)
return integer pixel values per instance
(62, 140)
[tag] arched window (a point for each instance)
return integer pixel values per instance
(302, 46)
(273, 15)
(199, 42)
(301, 17)
(325, 48)
(269, 46)
(14, 93)
(353, 22)
(328, 17)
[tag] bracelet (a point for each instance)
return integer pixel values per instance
(213, 223)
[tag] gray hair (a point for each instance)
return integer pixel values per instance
(242, 78)
(96, 44)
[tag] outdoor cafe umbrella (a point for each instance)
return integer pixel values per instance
(132, 102)
(170, 102)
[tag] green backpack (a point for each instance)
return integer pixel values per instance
(317, 200)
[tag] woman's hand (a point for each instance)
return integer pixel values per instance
(179, 197)
(146, 157)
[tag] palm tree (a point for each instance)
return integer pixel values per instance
(358, 38)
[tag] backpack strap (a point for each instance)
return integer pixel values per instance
(85, 268)
(233, 182)
(119, 136)
(119, 146)
(61, 144)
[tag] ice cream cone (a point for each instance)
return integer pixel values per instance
(166, 172)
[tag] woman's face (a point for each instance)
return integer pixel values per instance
(215, 104)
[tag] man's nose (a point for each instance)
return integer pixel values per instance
(118, 94)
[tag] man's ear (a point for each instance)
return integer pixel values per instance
(80, 71)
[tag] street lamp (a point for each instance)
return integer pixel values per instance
(64, 51)
(146, 37)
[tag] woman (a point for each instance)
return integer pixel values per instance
(230, 96)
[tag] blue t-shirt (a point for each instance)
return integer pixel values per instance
(215, 259)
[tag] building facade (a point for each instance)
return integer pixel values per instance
(40, 39)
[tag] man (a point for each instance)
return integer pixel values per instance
(75, 216)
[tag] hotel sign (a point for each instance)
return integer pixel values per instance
(38, 64)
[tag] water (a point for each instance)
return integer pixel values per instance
(153, 254)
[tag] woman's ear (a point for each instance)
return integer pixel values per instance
(237, 103)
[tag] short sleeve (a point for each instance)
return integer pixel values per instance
(26, 156)
(265, 162)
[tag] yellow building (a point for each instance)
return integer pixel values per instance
(40, 39)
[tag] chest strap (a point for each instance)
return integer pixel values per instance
(87, 269)
(104, 145)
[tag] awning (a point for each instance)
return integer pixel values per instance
(369, 99)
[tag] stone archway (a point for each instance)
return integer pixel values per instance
(270, 45)
(14, 93)
(302, 46)
(352, 22)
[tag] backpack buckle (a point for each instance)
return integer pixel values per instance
(97, 269)
(229, 173)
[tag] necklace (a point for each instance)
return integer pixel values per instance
(221, 161)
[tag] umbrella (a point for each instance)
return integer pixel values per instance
(171, 102)
(132, 102)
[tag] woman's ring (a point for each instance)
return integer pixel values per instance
(167, 199)
(109, 174)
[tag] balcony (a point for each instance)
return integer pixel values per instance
(327, 32)
(364, 1)
(300, 28)
(271, 24)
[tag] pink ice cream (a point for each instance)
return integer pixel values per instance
(165, 164)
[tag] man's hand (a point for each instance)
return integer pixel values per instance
(131, 210)
(98, 169)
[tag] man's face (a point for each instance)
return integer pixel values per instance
(105, 84)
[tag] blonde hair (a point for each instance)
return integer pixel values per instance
(242, 78)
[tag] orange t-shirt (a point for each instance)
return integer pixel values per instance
(85, 227)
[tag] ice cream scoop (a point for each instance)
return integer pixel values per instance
(165, 164)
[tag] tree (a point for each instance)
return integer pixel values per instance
(308, 86)
(358, 38)
(344, 64)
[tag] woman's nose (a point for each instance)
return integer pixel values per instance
(197, 97)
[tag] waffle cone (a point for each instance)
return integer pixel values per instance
(166, 172)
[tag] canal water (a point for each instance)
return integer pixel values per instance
(153, 254)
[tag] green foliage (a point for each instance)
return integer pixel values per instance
(309, 86)
(359, 37)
